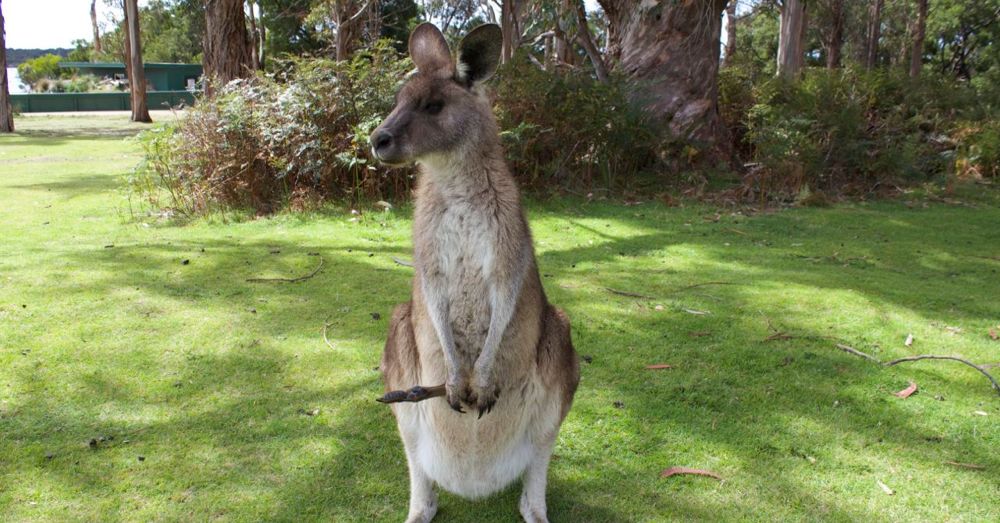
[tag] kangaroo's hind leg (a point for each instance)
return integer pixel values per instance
(400, 364)
(560, 374)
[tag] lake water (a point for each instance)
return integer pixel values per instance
(14, 81)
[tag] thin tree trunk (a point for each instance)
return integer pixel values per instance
(93, 23)
(587, 42)
(126, 50)
(347, 28)
(227, 46)
(730, 33)
(6, 111)
(835, 40)
(670, 49)
(790, 38)
(262, 38)
(140, 113)
(507, 28)
(874, 34)
(917, 52)
(254, 56)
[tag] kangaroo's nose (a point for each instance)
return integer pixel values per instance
(380, 140)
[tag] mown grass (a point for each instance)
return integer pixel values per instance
(205, 386)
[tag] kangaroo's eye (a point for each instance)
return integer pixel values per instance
(433, 107)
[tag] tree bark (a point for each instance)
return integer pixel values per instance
(140, 113)
(262, 37)
(874, 34)
(834, 41)
(793, 13)
(93, 24)
(670, 49)
(6, 111)
(254, 47)
(587, 43)
(348, 26)
(730, 33)
(227, 46)
(917, 52)
(507, 24)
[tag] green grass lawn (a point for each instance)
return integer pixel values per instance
(218, 398)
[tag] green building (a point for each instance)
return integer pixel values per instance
(169, 86)
(159, 76)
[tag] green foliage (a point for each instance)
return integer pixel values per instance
(45, 67)
(569, 131)
(172, 31)
(850, 132)
(82, 51)
(294, 138)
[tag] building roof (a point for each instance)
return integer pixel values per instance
(118, 65)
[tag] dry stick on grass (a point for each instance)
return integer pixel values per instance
(701, 285)
(679, 289)
(412, 395)
(400, 261)
(856, 352)
(290, 280)
(627, 293)
(326, 325)
(952, 358)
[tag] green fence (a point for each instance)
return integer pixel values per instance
(116, 101)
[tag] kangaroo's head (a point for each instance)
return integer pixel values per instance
(441, 110)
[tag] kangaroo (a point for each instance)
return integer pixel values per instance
(478, 320)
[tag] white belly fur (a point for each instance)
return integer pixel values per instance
(474, 457)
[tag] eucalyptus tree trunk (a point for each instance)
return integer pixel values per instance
(834, 41)
(6, 111)
(917, 52)
(140, 112)
(793, 20)
(874, 34)
(227, 46)
(510, 26)
(730, 33)
(670, 49)
(587, 42)
(254, 46)
(93, 24)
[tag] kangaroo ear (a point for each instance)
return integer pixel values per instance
(479, 54)
(429, 50)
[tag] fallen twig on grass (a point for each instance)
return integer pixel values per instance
(290, 280)
(400, 261)
(696, 285)
(981, 369)
(326, 324)
(412, 395)
(674, 471)
(628, 293)
(856, 352)
(971, 466)
(952, 358)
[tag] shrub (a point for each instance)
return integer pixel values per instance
(299, 136)
(567, 131)
(846, 132)
(295, 137)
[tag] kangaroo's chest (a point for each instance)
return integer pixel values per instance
(465, 243)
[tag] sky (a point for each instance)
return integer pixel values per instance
(49, 23)
(56, 23)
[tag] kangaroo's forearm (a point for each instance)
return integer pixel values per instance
(437, 309)
(504, 295)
